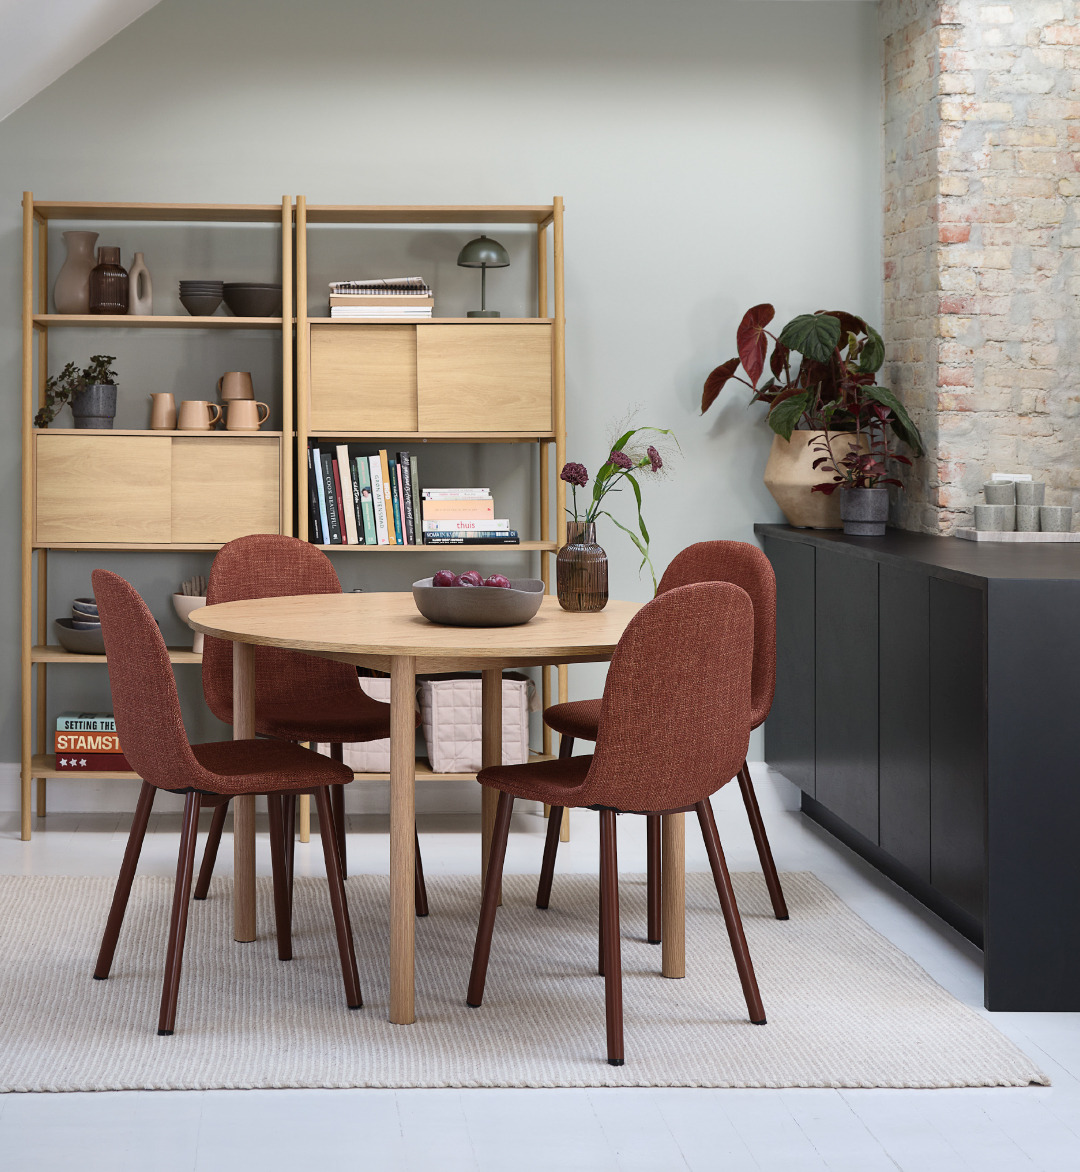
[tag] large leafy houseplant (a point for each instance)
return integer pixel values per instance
(62, 388)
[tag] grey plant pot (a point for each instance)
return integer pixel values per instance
(95, 407)
(864, 511)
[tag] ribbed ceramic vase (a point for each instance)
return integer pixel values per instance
(581, 569)
(71, 293)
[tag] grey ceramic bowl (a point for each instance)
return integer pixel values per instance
(252, 300)
(479, 606)
(84, 642)
(200, 304)
(84, 606)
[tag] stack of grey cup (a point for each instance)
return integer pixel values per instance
(1018, 505)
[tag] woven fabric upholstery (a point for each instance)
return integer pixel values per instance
(675, 716)
(707, 561)
(151, 728)
(297, 697)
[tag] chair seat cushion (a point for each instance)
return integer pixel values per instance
(338, 718)
(579, 719)
(555, 782)
(262, 767)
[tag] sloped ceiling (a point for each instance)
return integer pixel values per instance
(40, 40)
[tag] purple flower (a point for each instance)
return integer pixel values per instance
(621, 460)
(575, 474)
(655, 463)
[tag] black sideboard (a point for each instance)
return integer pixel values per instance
(927, 705)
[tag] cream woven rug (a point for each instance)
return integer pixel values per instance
(845, 1007)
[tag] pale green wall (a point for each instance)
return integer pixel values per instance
(711, 156)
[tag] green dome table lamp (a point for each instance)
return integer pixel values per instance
(483, 253)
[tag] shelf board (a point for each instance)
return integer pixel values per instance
(223, 213)
(431, 214)
(430, 321)
(155, 321)
(133, 546)
(440, 437)
(44, 765)
(107, 431)
(532, 546)
(50, 653)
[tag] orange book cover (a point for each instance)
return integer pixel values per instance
(460, 510)
(388, 497)
(86, 742)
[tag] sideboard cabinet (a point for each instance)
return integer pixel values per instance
(925, 705)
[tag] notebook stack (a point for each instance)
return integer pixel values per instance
(388, 297)
(88, 742)
(463, 516)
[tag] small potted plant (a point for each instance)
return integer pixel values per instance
(90, 393)
(822, 367)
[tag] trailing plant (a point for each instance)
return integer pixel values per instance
(628, 459)
(822, 374)
(71, 381)
(859, 467)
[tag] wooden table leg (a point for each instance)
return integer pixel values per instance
(490, 754)
(243, 806)
(673, 908)
(402, 839)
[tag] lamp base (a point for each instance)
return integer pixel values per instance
(483, 313)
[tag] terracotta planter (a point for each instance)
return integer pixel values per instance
(790, 475)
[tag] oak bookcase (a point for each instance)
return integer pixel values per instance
(447, 380)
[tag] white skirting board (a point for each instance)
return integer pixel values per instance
(73, 796)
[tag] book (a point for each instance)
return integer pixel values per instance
(86, 722)
(348, 497)
(388, 497)
(361, 299)
(320, 488)
(86, 742)
(407, 517)
(444, 494)
(490, 537)
(380, 311)
(459, 510)
(314, 520)
(387, 286)
(342, 504)
(367, 511)
(333, 525)
(395, 498)
(414, 475)
(93, 762)
(463, 526)
(378, 500)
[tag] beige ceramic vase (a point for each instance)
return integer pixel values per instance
(790, 475)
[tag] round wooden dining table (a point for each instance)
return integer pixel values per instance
(386, 632)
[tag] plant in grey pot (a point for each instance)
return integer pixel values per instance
(90, 393)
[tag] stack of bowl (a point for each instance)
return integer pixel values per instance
(81, 632)
(253, 298)
(201, 298)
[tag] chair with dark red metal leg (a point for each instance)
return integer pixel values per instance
(673, 727)
(152, 732)
(707, 561)
(298, 698)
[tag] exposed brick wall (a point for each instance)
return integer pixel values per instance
(982, 314)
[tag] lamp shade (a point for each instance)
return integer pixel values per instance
(483, 253)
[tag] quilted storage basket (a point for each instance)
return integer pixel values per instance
(450, 712)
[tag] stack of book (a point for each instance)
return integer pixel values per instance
(356, 499)
(389, 297)
(463, 516)
(86, 742)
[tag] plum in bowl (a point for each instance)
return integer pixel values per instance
(470, 605)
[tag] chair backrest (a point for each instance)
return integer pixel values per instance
(265, 565)
(675, 716)
(145, 703)
(749, 568)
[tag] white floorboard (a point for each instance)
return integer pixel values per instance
(599, 1130)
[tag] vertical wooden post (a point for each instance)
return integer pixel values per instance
(545, 468)
(402, 839)
(286, 503)
(42, 668)
(302, 404)
(26, 674)
(559, 372)
(673, 908)
(243, 805)
(490, 754)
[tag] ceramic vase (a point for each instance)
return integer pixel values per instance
(109, 283)
(581, 577)
(140, 291)
(71, 293)
(790, 476)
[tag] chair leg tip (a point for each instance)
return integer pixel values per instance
(656, 942)
(164, 1033)
(358, 1005)
(615, 1061)
(200, 898)
(785, 916)
(762, 1022)
(97, 978)
(474, 1004)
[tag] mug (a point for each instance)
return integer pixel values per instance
(197, 415)
(244, 414)
(163, 411)
(995, 518)
(235, 384)
(1000, 492)
(1031, 492)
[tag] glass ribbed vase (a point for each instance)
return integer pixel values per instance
(581, 569)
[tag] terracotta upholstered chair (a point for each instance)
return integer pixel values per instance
(297, 697)
(152, 732)
(673, 727)
(707, 561)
